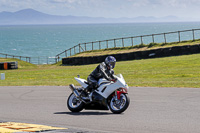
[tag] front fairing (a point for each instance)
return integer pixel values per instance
(122, 81)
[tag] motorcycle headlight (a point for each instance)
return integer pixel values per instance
(126, 86)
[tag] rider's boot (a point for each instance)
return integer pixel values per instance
(84, 94)
(91, 93)
(90, 96)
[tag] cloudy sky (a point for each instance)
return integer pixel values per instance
(108, 8)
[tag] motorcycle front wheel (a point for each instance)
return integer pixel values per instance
(74, 104)
(119, 106)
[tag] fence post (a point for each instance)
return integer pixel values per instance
(47, 60)
(193, 34)
(165, 38)
(123, 42)
(132, 41)
(141, 40)
(58, 58)
(70, 51)
(92, 45)
(99, 45)
(79, 48)
(74, 50)
(179, 36)
(153, 38)
(85, 47)
(107, 43)
(114, 44)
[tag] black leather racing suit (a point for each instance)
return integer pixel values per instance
(101, 71)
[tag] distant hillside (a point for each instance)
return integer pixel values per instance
(30, 16)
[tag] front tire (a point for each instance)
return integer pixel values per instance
(74, 104)
(119, 106)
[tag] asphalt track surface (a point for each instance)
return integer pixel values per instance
(151, 110)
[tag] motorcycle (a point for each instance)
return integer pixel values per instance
(110, 95)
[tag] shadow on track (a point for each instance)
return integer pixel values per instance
(85, 113)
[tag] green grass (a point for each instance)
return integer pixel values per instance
(177, 71)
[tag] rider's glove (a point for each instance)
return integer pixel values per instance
(114, 79)
(110, 79)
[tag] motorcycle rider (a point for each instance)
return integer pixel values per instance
(103, 70)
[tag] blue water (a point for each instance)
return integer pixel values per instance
(49, 40)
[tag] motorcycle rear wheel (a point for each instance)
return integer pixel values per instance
(121, 105)
(74, 104)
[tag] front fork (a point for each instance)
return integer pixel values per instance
(119, 92)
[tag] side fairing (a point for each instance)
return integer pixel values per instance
(108, 88)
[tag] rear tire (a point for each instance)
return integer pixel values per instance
(74, 104)
(119, 106)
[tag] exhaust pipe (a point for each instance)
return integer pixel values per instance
(74, 90)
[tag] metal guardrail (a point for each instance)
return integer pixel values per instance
(113, 43)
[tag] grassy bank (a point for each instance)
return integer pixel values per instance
(177, 71)
(140, 47)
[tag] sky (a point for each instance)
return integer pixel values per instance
(108, 8)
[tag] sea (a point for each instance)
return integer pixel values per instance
(46, 41)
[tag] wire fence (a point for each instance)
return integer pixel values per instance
(168, 37)
(43, 60)
(33, 60)
(24, 58)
